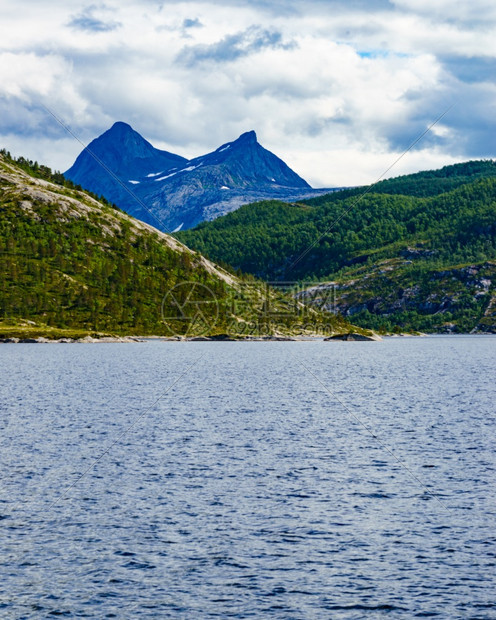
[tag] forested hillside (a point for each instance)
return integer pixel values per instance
(344, 236)
(71, 262)
(425, 183)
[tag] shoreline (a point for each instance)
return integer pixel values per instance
(278, 338)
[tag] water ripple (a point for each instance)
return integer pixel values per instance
(248, 491)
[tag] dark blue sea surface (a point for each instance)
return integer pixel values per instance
(249, 480)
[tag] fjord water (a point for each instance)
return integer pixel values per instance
(248, 485)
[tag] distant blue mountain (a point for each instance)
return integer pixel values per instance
(127, 155)
(171, 192)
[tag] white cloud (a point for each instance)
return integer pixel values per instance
(447, 10)
(337, 88)
(95, 19)
(23, 74)
(331, 168)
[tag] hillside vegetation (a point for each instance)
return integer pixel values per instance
(385, 253)
(74, 265)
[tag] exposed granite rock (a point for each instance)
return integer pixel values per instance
(384, 290)
(353, 337)
(417, 252)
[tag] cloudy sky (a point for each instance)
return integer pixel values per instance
(337, 88)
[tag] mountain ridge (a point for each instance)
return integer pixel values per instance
(172, 192)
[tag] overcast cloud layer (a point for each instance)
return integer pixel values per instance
(337, 88)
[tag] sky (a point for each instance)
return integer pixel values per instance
(339, 89)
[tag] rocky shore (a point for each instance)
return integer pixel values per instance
(353, 337)
(86, 339)
(215, 338)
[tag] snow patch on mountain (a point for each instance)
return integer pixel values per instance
(187, 169)
(185, 195)
(167, 176)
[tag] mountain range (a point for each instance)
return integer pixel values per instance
(173, 193)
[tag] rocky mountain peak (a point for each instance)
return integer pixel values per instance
(247, 138)
(180, 193)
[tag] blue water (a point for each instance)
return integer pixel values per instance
(258, 480)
